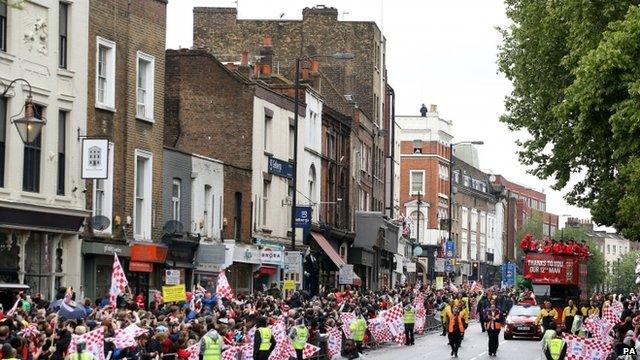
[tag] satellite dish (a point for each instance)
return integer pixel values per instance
(173, 227)
(99, 222)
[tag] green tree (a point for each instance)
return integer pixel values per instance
(596, 272)
(622, 277)
(575, 70)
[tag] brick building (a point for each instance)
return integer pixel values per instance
(222, 113)
(521, 203)
(125, 105)
(424, 176)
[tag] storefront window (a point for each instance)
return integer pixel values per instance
(9, 257)
(37, 264)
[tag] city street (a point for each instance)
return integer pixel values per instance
(474, 347)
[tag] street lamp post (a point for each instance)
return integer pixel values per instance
(478, 142)
(29, 126)
(296, 102)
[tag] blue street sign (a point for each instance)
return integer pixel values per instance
(303, 217)
(509, 274)
(450, 249)
(448, 267)
(280, 168)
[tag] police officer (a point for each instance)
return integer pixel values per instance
(358, 327)
(409, 321)
(299, 335)
(557, 348)
(211, 347)
(81, 353)
(264, 342)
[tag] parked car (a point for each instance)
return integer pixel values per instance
(521, 322)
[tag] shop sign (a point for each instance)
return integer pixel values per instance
(439, 283)
(138, 266)
(172, 277)
(211, 254)
(289, 285)
(303, 217)
(411, 267)
(95, 159)
(248, 254)
(345, 276)
(270, 255)
(105, 249)
(280, 168)
(292, 262)
(152, 253)
(439, 265)
(173, 293)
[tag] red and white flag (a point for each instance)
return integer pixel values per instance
(308, 351)
(94, 341)
(380, 330)
(118, 281)
(334, 342)
(223, 289)
(453, 288)
(612, 313)
(230, 353)
(194, 351)
(395, 320)
(127, 337)
(580, 348)
(421, 319)
(347, 319)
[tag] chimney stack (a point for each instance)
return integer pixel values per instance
(433, 108)
(266, 56)
(244, 58)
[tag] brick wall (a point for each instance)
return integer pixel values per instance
(210, 112)
(133, 26)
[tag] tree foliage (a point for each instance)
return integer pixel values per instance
(575, 69)
(622, 278)
(595, 268)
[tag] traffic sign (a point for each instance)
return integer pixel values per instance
(448, 266)
(450, 249)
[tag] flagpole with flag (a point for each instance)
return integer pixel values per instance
(118, 281)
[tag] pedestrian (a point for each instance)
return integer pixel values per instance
(358, 328)
(409, 321)
(264, 342)
(547, 315)
(493, 318)
(557, 348)
(299, 335)
(483, 304)
(568, 314)
(548, 335)
(455, 331)
(445, 312)
(211, 346)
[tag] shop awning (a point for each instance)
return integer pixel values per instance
(267, 270)
(332, 254)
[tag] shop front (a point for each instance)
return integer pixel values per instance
(269, 272)
(181, 258)
(98, 265)
(362, 261)
(329, 263)
(145, 271)
(246, 260)
(210, 260)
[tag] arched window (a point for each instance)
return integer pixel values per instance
(417, 221)
(312, 184)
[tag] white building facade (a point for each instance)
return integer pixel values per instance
(42, 201)
(311, 126)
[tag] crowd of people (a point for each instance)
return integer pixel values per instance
(555, 247)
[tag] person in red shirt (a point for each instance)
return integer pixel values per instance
(547, 247)
(556, 247)
(525, 243)
(534, 245)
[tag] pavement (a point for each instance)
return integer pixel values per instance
(474, 347)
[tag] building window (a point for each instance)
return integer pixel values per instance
(145, 85)
(208, 211)
(142, 195)
(63, 27)
(105, 73)
(31, 164)
(443, 171)
(3, 136)
(483, 222)
(312, 184)
(466, 180)
(265, 201)
(267, 132)
(343, 251)
(99, 197)
(417, 226)
(62, 140)
(176, 191)
(331, 146)
(608, 249)
(464, 243)
(417, 182)
(292, 140)
(614, 250)
(3, 26)
(465, 218)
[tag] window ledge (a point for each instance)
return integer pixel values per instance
(6, 57)
(145, 119)
(62, 199)
(5, 191)
(66, 73)
(105, 107)
(33, 196)
(266, 153)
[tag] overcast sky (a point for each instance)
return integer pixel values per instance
(438, 52)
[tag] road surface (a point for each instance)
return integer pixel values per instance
(474, 347)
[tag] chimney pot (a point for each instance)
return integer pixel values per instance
(231, 66)
(244, 58)
(433, 108)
